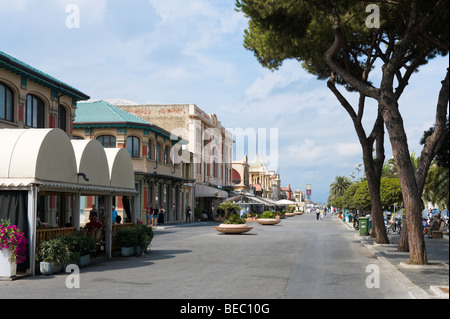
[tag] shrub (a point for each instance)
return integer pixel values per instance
(234, 219)
(267, 215)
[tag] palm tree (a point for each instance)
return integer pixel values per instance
(339, 186)
(436, 189)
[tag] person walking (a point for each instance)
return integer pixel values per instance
(155, 216)
(162, 211)
(149, 215)
(188, 214)
(317, 213)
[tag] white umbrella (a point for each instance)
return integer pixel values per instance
(285, 202)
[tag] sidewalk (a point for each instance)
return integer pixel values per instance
(423, 282)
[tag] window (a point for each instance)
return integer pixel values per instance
(35, 112)
(149, 149)
(62, 118)
(133, 146)
(6, 103)
(108, 141)
(157, 152)
(166, 155)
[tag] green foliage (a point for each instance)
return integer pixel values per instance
(127, 237)
(267, 215)
(53, 251)
(234, 219)
(229, 207)
(144, 235)
(303, 30)
(138, 235)
(79, 244)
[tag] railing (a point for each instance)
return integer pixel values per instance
(46, 234)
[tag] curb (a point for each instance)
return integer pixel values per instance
(414, 291)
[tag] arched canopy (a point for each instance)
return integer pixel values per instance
(49, 158)
(91, 161)
(120, 168)
(44, 154)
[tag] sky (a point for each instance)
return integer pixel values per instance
(191, 52)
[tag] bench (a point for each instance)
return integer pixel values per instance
(438, 233)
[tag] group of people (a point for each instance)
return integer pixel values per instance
(155, 216)
(320, 213)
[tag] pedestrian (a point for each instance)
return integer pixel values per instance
(155, 217)
(188, 214)
(114, 214)
(93, 212)
(162, 211)
(317, 213)
(149, 215)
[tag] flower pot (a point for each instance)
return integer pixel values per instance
(7, 269)
(233, 228)
(268, 221)
(84, 260)
(45, 268)
(127, 251)
(56, 268)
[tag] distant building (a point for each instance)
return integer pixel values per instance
(241, 175)
(209, 142)
(260, 178)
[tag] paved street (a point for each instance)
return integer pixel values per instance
(298, 258)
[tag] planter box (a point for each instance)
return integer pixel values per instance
(268, 221)
(127, 251)
(7, 269)
(233, 228)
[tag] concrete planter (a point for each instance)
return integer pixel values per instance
(290, 214)
(268, 221)
(127, 251)
(7, 269)
(233, 228)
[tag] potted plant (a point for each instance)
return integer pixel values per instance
(80, 247)
(127, 238)
(233, 223)
(13, 247)
(52, 255)
(144, 237)
(267, 218)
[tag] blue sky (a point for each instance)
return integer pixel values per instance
(190, 51)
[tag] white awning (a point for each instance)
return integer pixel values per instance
(49, 159)
(208, 191)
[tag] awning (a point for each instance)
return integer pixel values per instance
(48, 159)
(208, 191)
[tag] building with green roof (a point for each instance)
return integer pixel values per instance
(30, 98)
(163, 172)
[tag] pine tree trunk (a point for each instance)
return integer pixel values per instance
(411, 195)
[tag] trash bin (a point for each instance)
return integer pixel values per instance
(364, 226)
